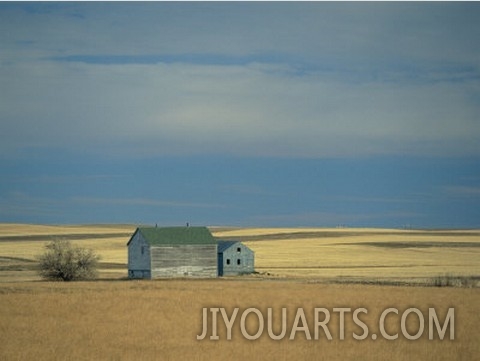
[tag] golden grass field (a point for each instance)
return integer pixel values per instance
(363, 253)
(117, 319)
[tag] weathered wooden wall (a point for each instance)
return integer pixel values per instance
(138, 257)
(184, 261)
(235, 260)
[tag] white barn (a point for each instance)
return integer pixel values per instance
(172, 252)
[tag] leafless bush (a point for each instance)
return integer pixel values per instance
(64, 262)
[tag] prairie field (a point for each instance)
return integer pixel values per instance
(160, 320)
(367, 254)
(328, 254)
(117, 319)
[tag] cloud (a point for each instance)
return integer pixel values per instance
(23, 204)
(392, 218)
(237, 109)
(462, 191)
(353, 199)
(329, 34)
(61, 179)
(140, 202)
(247, 190)
(333, 33)
(311, 80)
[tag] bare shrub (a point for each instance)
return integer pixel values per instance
(449, 280)
(64, 262)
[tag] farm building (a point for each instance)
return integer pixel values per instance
(234, 258)
(172, 252)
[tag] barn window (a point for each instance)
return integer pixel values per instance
(239, 249)
(143, 250)
(238, 261)
(228, 261)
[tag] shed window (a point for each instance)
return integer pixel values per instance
(143, 250)
(228, 261)
(238, 261)
(239, 249)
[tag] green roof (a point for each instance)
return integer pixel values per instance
(177, 235)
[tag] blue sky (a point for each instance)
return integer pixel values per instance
(244, 114)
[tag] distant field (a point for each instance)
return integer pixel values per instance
(359, 254)
(116, 319)
(20, 244)
(338, 254)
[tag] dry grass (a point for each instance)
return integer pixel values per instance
(159, 320)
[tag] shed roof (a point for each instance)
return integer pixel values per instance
(176, 235)
(224, 245)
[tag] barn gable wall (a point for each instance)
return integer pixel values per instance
(138, 257)
(236, 259)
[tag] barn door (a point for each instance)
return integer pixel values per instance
(220, 264)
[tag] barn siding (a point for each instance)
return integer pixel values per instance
(138, 260)
(184, 260)
(245, 256)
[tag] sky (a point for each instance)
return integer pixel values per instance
(263, 114)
